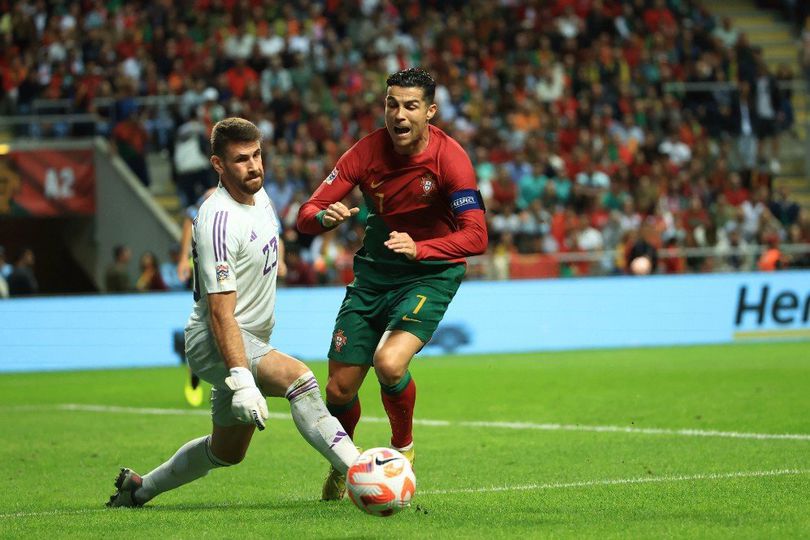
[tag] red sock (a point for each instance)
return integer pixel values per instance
(348, 415)
(400, 413)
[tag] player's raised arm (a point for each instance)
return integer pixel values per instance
(324, 210)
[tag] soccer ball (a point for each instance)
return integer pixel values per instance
(381, 482)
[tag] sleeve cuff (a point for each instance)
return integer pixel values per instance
(319, 217)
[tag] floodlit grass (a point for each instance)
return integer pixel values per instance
(548, 456)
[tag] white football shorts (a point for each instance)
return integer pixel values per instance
(204, 359)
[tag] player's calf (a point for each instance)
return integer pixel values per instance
(317, 426)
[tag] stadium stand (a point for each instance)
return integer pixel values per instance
(596, 127)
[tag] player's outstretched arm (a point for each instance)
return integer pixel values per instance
(324, 210)
(337, 213)
(248, 403)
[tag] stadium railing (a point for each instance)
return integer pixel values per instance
(605, 262)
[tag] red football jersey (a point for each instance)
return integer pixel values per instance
(432, 196)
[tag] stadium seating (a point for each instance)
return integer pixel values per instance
(582, 138)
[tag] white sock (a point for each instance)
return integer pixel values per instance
(320, 429)
(192, 461)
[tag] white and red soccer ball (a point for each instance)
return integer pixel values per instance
(381, 482)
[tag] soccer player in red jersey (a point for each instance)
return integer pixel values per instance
(425, 216)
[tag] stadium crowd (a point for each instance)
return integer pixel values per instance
(580, 141)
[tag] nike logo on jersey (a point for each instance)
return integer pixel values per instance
(375, 185)
(406, 318)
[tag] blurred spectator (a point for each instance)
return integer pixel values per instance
(674, 147)
(191, 165)
(643, 246)
(771, 258)
(184, 256)
(784, 78)
(116, 278)
(734, 251)
(5, 270)
(735, 193)
(168, 270)
(593, 179)
(22, 281)
(5, 267)
(784, 209)
(796, 236)
(130, 140)
(743, 121)
(210, 111)
(279, 188)
(504, 191)
(150, 278)
(768, 115)
(539, 95)
(299, 272)
(505, 222)
(726, 33)
(753, 213)
(671, 261)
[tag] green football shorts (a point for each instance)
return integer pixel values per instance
(367, 312)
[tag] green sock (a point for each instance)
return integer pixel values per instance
(399, 387)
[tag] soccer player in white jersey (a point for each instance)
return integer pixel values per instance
(235, 250)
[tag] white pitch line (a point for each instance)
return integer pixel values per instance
(439, 423)
(644, 431)
(621, 481)
(494, 489)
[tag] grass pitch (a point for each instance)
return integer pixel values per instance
(669, 442)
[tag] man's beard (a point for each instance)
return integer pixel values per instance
(259, 176)
(243, 186)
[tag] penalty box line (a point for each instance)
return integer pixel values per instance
(114, 409)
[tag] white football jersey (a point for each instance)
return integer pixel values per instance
(235, 248)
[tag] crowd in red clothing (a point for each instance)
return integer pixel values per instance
(579, 142)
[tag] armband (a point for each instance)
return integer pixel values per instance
(466, 199)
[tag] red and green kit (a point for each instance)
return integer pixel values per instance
(432, 196)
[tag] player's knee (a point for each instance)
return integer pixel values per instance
(339, 392)
(295, 370)
(389, 367)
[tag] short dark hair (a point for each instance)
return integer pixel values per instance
(411, 77)
(232, 130)
(119, 250)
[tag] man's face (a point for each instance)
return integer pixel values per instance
(241, 169)
(406, 117)
(28, 257)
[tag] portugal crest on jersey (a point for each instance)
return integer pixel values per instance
(428, 183)
(340, 340)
